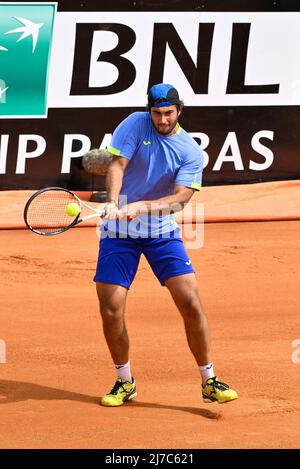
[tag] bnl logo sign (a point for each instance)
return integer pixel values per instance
(25, 40)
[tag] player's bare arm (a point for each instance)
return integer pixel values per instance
(169, 204)
(114, 179)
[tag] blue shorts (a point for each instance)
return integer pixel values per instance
(119, 259)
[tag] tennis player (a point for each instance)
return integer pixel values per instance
(156, 168)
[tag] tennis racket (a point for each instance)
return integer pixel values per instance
(45, 213)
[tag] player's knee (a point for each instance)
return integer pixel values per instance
(191, 310)
(110, 314)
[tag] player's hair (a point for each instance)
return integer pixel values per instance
(180, 106)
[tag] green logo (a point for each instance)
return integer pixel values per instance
(146, 142)
(25, 41)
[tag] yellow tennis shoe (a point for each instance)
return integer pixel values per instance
(121, 392)
(216, 391)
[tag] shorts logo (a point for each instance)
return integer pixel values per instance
(25, 40)
(188, 262)
(146, 142)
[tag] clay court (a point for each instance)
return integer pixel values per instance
(57, 363)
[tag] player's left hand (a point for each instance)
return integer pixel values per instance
(131, 211)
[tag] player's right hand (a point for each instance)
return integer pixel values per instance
(111, 211)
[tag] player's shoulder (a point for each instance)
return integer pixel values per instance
(134, 122)
(189, 143)
(137, 117)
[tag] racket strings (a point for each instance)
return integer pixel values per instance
(47, 212)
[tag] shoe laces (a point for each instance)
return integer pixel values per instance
(218, 385)
(118, 384)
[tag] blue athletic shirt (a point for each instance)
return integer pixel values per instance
(156, 164)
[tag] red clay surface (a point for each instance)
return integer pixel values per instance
(58, 364)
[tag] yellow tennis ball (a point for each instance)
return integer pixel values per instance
(73, 209)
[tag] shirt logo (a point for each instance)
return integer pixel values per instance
(25, 39)
(146, 142)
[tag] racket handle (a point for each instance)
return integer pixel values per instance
(128, 218)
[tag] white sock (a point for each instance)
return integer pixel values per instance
(123, 371)
(207, 371)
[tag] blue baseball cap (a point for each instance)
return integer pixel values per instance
(163, 94)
